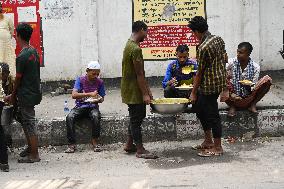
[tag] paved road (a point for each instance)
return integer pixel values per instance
(246, 165)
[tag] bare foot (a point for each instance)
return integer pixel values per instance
(232, 111)
(252, 109)
(130, 148)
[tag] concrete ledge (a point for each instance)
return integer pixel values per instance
(157, 127)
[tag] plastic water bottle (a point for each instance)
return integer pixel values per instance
(66, 108)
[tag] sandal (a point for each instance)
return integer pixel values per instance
(28, 160)
(71, 149)
(201, 147)
(4, 167)
(147, 155)
(133, 149)
(209, 154)
(97, 148)
(25, 152)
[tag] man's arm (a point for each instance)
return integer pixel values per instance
(20, 67)
(12, 98)
(149, 90)
(79, 95)
(168, 77)
(195, 67)
(199, 76)
(229, 68)
(140, 73)
(102, 92)
(144, 88)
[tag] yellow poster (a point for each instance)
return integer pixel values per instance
(167, 25)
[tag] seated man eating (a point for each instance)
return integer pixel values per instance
(88, 92)
(245, 88)
(179, 73)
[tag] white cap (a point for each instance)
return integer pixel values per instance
(94, 65)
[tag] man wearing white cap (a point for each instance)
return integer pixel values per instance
(88, 91)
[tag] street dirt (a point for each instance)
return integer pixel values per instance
(252, 164)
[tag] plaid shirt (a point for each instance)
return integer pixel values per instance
(251, 72)
(211, 62)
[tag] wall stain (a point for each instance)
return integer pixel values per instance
(58, 9)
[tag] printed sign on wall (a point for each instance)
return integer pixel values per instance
(167, 22)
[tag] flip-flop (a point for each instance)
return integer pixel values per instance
(133, 149)
(97, 148)
(147, 156)
(28, 160)
(209, 154)
(201, 147)
(70, 150)
(4, 167)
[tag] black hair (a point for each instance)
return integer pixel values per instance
(198, 23)
(138, 26)
(246, 45)
(4, 67)
(25, 31)
(182, 48)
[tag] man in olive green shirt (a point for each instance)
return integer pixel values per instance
(135, 90)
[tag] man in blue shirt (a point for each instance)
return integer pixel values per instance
(174, 76)
(86, 87)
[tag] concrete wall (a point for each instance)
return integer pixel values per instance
(75, 33)
(157, 128)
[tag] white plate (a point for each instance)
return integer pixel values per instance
(184, 89)
(93, 100)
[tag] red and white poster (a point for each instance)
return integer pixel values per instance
(26, 11)
(167, 22)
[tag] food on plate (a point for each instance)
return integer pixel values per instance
(186, 70)
(185, 86)
(170, 101)
(93, 100)
(246, 82)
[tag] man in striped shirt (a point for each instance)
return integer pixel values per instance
(245, 95)
(209, 82)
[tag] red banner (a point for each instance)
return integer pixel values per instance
(26, 11)
(169, 36)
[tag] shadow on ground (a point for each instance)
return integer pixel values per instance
(185, 157)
